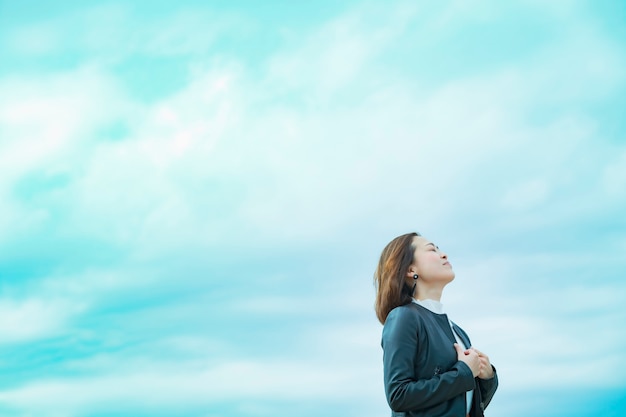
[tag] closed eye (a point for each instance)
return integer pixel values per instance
(433, 247)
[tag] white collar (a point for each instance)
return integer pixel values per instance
(432, 305)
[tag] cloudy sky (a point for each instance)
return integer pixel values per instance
(194, 196)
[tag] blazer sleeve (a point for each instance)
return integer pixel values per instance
(488, 388)
(403, 389)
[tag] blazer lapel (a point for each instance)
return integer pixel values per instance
(462, 335)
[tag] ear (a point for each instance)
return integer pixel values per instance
(412, 271)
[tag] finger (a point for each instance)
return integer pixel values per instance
(481, 353)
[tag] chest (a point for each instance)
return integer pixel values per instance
(435, 351)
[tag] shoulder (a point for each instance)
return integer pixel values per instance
(405, 311)
(402, 326)
(402, 316)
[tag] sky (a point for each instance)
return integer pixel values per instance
(194, 196)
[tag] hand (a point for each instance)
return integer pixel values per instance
(470, 357)
(486, 370)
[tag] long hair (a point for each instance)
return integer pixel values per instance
(392, 289)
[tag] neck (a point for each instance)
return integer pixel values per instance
(424, 292)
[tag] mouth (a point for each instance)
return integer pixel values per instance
(448, 264)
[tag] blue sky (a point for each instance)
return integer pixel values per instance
(194, 195)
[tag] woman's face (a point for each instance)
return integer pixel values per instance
(430, 263)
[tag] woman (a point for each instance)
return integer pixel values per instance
(430, 367)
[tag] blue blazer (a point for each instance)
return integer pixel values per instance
(421, 372)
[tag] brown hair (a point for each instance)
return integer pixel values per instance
(392, 289)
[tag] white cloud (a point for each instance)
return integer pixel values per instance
(338, 54)
(35, 318)
(285, 174)
(48, 127)
(541, 329)
(180, 387)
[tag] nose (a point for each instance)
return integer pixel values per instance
(444, 255)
